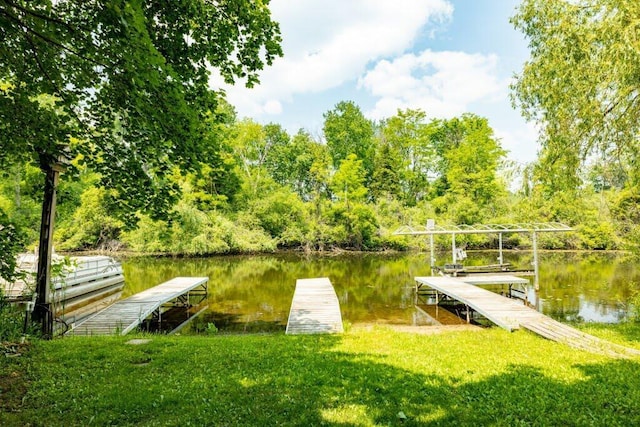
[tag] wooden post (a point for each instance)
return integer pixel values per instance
(43, 310)
(500, 258)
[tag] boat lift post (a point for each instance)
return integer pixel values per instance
(453, 248)
(431, 224)
(534, 242)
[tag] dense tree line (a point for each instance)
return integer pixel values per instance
(267, 189)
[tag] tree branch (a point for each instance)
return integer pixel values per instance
(57, 89)
(48, 39)
(42, 16)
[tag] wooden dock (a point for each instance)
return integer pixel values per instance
(511, 314)
(125, 315)
(315, 308)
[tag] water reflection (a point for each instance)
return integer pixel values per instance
(253, 293)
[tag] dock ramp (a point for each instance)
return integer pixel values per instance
(511, 314)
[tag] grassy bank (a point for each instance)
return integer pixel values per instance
(361, 378)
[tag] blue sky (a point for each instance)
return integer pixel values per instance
(445, 57)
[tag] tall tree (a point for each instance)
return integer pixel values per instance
(354, 223)
(347, 184)
(128, 79)
(348, 131)
(407, 135)
(470, 159)
(581, 82)
(302, 164)
(385, 181)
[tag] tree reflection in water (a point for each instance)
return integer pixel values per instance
(253, 293)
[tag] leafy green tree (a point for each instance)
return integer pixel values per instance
(407, 134)
(306, 166)
(353, 221)
(11, 241)
(128, 79)
(347, 131)
(91, 225)
(581, 82)
(194, 232)
(214, 184)
(283, 215)
(385, 181)
(276, 141)
(347, 184)
(470, 159)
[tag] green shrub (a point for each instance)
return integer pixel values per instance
(194, 232)
(12, 321)
(91, 226)
(597, 235)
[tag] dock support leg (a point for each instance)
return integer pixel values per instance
(500, 257)
(468, 314)
(534, 239)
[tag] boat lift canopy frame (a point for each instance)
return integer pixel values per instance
(431, 229)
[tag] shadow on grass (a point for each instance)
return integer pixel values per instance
(301, 380)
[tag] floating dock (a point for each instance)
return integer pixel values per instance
(125, 315)
(511, 314)
(315, 308)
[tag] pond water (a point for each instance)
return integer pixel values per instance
(253, 293)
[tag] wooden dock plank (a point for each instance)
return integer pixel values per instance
(511, 315)
(315, 308)
(124, 316)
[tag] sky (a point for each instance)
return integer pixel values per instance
(445, 57)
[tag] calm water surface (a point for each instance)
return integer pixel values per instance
(253, 293)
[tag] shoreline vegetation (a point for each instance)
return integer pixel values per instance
(441, 250)
(370, 375)
(273, 191)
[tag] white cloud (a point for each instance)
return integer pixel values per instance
(272, 107)
(443, 84)
(520, 140)
(330, 42)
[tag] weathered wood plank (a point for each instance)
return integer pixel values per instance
(315, 308)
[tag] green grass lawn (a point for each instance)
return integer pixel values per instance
(360, 378)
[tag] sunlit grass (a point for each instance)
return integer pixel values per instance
(361, 378)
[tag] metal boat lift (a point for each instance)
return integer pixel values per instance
(533, 228)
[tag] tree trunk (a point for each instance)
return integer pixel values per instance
(43, 312)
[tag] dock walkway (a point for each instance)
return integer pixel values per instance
(125, 315)
(511, 314)
(315, 308)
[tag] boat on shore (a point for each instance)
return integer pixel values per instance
(82, 286)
